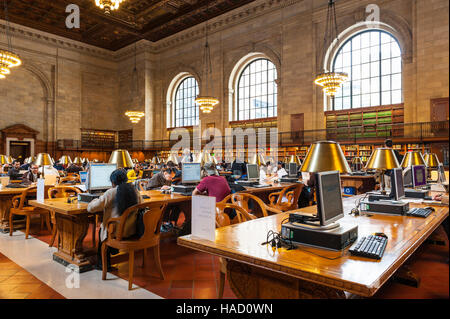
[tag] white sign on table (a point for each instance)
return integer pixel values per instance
(204, 217)
(40, 190)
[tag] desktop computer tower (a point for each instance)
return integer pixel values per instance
(184, 189)
(416, 193)
(335, 239)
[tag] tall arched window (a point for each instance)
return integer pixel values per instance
(257, 91)
(373, 62)
(186, 112)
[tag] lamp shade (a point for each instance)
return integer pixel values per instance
(155, 160)
(258, 159)
(412, 158)
(173, 157)
(43, 159)
(65, 160)
(356, 160)
(431, 160)
(382, 158)
(325, 156)
(122, 158)
(295, 159)
(78, 160)
(4, 159)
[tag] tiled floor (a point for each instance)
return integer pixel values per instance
(192, 274)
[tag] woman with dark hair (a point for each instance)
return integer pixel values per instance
(113, 203)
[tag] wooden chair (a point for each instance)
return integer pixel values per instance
(291, 193)
(70, 178)
(20, 207)
(152, 221)
(242, 200)
(223, 220)
(64, 192)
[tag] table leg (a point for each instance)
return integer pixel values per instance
(71, 232)
(249, 282)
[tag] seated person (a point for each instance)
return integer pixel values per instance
(307, 195)
(14, 171)
(239, 166)
(280, 170)
(4, 169)
(161, 180)
(73, 168)
(212, 185)
(25, 166)
(32, 175)
(58, 166)
(265, 175)
(135, 173)
(113, 203)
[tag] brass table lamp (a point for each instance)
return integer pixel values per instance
(122, 158)
(77, 160)
(43, 159)
(412, 158)
(65, 160)
(295, 159)
(172, 157)
(382, 159)
(325, 156)
(432, 162)
(357, 163)
(258, 159)
(4, 159)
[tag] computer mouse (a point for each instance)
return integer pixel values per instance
(430, 208)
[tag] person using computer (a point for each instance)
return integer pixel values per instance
(239, 168)
(74, 168)
(14, 171)
(281, 171)
(4, 170)
(135, 173)
(213, 184)
(161, 180)
(58, 166)
(32, 175)
(113, 203)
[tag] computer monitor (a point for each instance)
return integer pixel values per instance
(252, 172)
(99, 176)
(419, 175)
(441, 173)
(407, 176)
(190, 173)
(329, 198)
(83, 177)
(397, 186)
(293, 170)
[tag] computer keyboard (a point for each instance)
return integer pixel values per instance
(17, 185)
(419, 212)
(371, 247)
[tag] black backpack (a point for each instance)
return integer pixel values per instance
(140, 227)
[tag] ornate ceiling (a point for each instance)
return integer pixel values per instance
(134, 20)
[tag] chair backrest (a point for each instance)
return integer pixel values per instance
(27, 193)
(152, 220)
(222, 218)
(292, 194)
(62, 191)
(242, 199)
(71, 178)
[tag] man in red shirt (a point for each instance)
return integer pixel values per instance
(213, 185)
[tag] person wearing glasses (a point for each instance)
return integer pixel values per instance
(32, 175)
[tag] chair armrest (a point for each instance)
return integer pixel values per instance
(111, 226)
(273, 210)
(274, 197)
(15, 201)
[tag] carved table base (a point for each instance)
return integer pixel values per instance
(71, 232)
(249, 282)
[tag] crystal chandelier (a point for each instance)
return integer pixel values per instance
(330, 81)
(206, 102)
(135, 116)
(108, 5)
(8, 59)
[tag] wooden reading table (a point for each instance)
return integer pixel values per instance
(257, 271)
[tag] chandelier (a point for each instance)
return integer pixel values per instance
(8, 59)
(135, 116)
(330, 81)
(206, 102)
(108, 5)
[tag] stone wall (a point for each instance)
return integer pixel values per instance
(80, 86)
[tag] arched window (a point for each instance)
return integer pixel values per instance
(372, 59)
(257, 91)
(186, 112)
